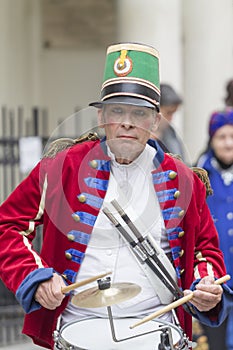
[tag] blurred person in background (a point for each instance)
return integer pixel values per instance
(217, 160)
(170, 102)
(229, 93)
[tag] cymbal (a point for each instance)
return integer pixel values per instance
(95, 297)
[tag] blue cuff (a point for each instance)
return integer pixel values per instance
(226, 306)
(25, 292)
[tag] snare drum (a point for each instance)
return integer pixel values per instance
(95, 334)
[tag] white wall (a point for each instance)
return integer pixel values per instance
(70, 80)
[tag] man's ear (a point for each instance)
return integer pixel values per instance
(155, 125)
(100, 118)
(156, 122)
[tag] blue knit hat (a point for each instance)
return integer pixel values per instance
(219, 119)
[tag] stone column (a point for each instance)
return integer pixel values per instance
(18, 62)
(157, 23)
(208, 64)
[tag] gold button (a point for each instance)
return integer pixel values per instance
(181, 253)
(71, 237)
(181, 213)
(82, 198)
(172, 175)
(76, 217)
(177, 194)
(181, 271)
(64, 276)
(68, 256)
(181, 234)
(94, 164)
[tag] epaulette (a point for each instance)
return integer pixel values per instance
(203, 175)
(175, 155)
(63, 143)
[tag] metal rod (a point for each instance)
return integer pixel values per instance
(148, 247)
(114, 337)
(35, 116)
(140, 252)
(20, 120)
(5, 155)
(12, 148)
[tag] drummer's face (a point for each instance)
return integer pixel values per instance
(127, 129)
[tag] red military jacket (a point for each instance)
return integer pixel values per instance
(65, 193)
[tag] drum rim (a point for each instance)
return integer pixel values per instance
(64, 342)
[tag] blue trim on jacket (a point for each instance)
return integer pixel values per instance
(25, 292)
(226, 307)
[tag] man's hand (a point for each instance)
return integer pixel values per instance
(49, 293)
(207, 294)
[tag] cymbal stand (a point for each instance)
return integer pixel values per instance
(166, 335)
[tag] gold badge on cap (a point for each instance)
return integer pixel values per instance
(123, 65)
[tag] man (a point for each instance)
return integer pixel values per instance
(170, 102)
(68, 191)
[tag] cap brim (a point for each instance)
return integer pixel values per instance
(124, 100)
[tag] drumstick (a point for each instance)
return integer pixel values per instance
(175, 304)
(82, 283)
(167, 308)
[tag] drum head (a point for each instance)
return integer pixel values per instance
(95, 334)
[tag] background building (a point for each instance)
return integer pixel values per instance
(52, 53)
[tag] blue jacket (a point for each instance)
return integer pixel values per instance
(221, 208)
